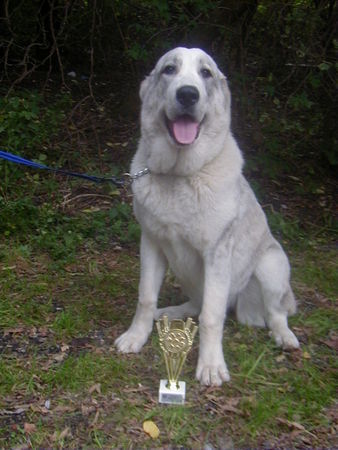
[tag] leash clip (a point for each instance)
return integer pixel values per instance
(132, 177)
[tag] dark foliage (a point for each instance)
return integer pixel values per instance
(280, 57)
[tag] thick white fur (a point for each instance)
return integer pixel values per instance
(199, 216)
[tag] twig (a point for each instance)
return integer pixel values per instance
(55, 44)
(66, 202)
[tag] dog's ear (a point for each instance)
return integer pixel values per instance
(145, 85)
(224, 83)
(225, 89)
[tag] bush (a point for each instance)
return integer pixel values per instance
(27, 123)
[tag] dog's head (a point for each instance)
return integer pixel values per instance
(185, 111)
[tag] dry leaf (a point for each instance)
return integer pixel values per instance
(151, 428)
(86, 410)
(39, 409)
(96, 387)
(229, 408)
(280, 358)
(64, 347)
(96, 418)
(29, 428)
(332, 342)
(290, 424)
(306, 355)
(64, 409)
(17, 330)
(32, 332)
(64, 433)
(59, 357)
(43, 331)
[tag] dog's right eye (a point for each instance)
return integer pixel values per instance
(169, 69)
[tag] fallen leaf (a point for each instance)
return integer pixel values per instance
(306, 355)
(332, 342)
(95, 388)
(43, 331)
(47, 365)
(32, 332)
(96, 418)
(64, 409)
(86, 410)
(229, 408)
(151, 428)
(29, 428)
(39, 409)
(64, 347)
(290, 424)
(17, 330)
(59, 357)
(280, 358)
(64, 433)
(18, 411)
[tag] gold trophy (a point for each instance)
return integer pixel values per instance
(176, 338)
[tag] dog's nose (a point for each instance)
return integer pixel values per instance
(187, 95)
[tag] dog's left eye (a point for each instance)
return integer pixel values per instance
(206, 73)
(169, 69)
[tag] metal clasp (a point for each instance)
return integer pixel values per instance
(135, 176)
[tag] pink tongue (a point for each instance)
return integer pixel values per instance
(185, 130)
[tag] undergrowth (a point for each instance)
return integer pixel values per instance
(69, 279)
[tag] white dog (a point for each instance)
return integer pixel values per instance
(199, 216)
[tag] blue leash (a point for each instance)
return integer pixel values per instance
(26, 162)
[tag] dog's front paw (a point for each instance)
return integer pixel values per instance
(212, 374)
(130, 342)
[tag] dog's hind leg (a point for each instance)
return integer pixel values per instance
(250, 306)
(187, 309)
(272, 273)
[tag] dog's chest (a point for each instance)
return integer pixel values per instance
(182, 212)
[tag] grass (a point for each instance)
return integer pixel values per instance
(69, 272)
(310, 273)
(58, 327)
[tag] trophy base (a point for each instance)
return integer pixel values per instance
(173, 396)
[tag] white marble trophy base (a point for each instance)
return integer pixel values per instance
(173, 396)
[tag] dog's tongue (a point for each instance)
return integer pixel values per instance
(185, 130)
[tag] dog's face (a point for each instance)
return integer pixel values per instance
(185, 111)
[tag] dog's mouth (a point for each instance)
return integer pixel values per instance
(184, 129)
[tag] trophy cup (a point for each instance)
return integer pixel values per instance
(175, 338)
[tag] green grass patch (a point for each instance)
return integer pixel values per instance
(81, 371)
(62, 323)
(318, 270)
(69, 282)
